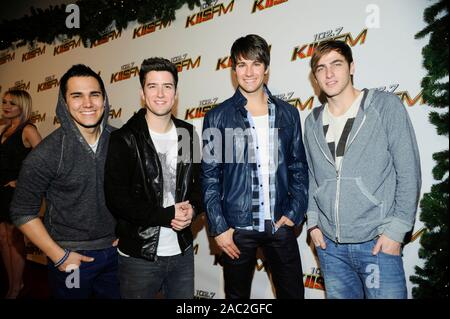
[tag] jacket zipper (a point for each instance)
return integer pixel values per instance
(338, 182)
(338, 177)
(336, 204)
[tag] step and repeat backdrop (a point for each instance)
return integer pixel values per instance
(380, 32)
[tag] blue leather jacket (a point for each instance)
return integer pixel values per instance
(227, 187)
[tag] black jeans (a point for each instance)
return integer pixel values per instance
(143, 279)
(283, 258)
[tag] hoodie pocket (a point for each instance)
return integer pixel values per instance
(325, 198)
(357, 204)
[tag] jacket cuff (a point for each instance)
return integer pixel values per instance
(312, 219)
(166, 215)
(397, 229)
(217, 229)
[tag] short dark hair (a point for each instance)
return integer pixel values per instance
(80, 70)
(251, 47)
(327, 46)
(157, 64)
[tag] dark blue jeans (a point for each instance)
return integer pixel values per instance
(352, 272)
(281, 253)
(143, 279)
(96, 279)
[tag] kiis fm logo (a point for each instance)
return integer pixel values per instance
(314, 280)
(297, 102)
(209, 13)
(7, 58)
(225, 63)
(201, 110)
(126, 72)
(49, 82)
(21, 85)
(260, 5)
(111, 35)
(203, 294)
(36, 117)
(183, 62)
(150, 28)
(115, 114)
(307, 50)
(66, 46)
(33, 53)
(404, 96)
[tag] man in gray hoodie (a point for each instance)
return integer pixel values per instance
(364, 175)
(67, 169)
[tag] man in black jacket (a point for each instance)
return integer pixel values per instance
(151, 188)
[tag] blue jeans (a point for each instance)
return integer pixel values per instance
(352, 272)
(92, 279)
(143, 279)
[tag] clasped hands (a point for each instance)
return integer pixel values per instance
(183, 215)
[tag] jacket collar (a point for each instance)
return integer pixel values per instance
(138, 124)
(318, 125)
(239, 101)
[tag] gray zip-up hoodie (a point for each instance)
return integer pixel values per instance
(377, 187)
(64, 169)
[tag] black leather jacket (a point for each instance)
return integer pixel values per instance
(134, 186)
(227, 187)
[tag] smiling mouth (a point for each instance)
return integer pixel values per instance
(331, 83)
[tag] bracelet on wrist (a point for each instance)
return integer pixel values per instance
(63, 258)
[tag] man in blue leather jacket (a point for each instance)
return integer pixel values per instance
(255, 177)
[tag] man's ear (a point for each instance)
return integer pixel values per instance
(352, 68)
(267, 70)
(142, 94)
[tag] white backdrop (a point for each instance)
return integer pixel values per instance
(386, 55)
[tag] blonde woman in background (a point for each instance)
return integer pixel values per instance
(18, 137)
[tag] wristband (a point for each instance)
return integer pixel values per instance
(63, 258)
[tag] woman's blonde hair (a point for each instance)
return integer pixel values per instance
(23, 100)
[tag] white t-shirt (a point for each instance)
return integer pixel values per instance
(337, 129)
(262, 131)
(94, 146)
(166, 145)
